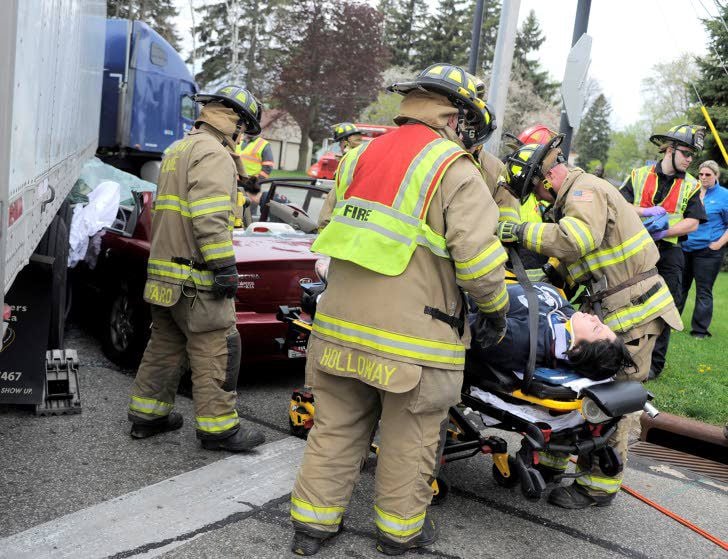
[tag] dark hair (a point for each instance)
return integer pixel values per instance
(601, 359)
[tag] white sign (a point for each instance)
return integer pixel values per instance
(573, 88)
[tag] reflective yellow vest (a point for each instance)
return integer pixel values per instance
(644, 184)
(383, 193)
(252, 156)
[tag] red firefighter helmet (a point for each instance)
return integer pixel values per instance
(536, 134)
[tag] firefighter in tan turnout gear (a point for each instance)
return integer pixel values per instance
(413, 224)
(192, 279)
(604, 245)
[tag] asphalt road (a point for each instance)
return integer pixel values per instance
(79, 486)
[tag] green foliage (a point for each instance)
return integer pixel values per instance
(592, 141)
(629, 148)
(404, 24)
(695, 380)
(158, 14)
(447, 36)
(529, 39)
(214, 33)
(713, 84)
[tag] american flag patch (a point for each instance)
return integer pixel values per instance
(583, 195)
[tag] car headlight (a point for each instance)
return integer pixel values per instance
(592, 412)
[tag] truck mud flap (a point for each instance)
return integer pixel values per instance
(60, 392)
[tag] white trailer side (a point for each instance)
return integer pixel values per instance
(51, 69)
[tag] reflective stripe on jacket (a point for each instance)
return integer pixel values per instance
(252, 156)
(644, 184)
(601, 239)
(193, 211)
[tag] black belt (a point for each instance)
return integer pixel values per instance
(191, 263)
(601, 295)
(453, 321)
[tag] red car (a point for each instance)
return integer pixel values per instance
(329, 154)
(273, 257)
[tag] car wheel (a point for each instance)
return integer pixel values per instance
(126, 331)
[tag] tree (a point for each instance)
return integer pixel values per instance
(667, 92)
(330, 65)
(629, 148)
(386, 106)
(227, 24)
(404, 23)
(158, 14)
(529, 39)
(713, 84)
(592, 140)
(447, 36)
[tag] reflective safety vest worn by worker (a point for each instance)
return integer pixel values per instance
(383, 192)
(252, 156)
(644, 183)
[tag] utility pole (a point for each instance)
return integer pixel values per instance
(581, 22)
(234, 14)
(475, 41)
(502, 62)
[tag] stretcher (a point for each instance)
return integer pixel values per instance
(555, 411)
(559, 413)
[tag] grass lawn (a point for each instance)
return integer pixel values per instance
(695, 380)
(279, 173)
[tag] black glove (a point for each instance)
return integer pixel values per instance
(225, 283)
(489, 329)
(510, 232)
(249, 184)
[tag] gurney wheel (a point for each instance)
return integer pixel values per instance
(511, 481)
(441, 489)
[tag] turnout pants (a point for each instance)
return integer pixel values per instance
(198, 332)
(594, 481)
(410, 426)
(670, 266)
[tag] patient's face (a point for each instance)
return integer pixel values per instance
(588, 328)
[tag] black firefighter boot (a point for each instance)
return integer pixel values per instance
(243, 439)
(575, 496)
(307, 541)
(426, 537)
(141, 429)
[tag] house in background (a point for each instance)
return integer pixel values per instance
(284, 136)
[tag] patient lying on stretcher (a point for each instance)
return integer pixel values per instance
(566, 338)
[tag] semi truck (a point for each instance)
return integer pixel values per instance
(146, 99)
(72, 85)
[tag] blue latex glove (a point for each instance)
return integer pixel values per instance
(654, 211)
(659, 235)
(656, 224)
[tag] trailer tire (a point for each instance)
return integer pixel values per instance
(126, 328)
(55, 244)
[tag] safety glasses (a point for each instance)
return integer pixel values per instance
(686, 154)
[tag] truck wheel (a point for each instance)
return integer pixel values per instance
(55, 244)
(126, 329)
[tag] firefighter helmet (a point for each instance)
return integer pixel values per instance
(688, 135)
(343, 130)
(476, 120)
(529, 164)
(239, 100)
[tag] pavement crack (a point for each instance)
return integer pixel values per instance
(545, 522)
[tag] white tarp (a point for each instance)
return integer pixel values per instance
(100, 212)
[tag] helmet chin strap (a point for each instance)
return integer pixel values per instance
(239, 129)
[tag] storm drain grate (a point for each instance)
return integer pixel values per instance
(702, 466)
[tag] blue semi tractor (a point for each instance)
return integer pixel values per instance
(145, 103)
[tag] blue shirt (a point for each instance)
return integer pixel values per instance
(716, 206)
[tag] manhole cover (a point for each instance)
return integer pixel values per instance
(702, 466)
